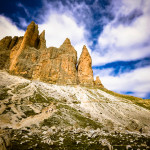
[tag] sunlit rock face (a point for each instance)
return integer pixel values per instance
(85, 72)
(57, 65)
(29, 57)
(24, 55)
(97, 82)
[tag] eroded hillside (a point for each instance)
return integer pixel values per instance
(50, 116)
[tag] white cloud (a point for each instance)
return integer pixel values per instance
(137, 81)
(120, 41)
(8, 28)
(102, 72)
(129, 5)
(60, 26)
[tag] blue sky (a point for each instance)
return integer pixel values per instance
(116, 33)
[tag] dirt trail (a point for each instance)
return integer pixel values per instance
(46, 113)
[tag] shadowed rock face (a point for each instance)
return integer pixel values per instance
(30, 58)
(42, 41)
(6, 44)
(85, 72)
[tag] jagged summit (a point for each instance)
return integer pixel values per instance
(68, 48)
(85, 51)
(29, 57)
(67, 42)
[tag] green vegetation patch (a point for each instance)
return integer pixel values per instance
(82, 140)
(66, 114)
(28, 111)
(22, 142)
(39, 98)
(19, 87)
(3, 93)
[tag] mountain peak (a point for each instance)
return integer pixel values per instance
(85, 72)
(67, 42)
(85, 52)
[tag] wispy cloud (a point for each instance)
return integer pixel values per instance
(66, 20)
(60, 26)
(24, 8)
(124, 39)
(119, 67)
(8, 28)
(136, 81)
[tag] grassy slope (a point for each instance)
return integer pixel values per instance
(138, 101)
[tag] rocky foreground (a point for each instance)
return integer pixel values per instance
(37, 115)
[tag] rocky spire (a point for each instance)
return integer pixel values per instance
(68, 48)
(68, 72)
(30, 39)
(97, 82)
(31, 36)
(85, 72)
(66, 42)
(42, 42)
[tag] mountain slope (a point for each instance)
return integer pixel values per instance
(42, 115)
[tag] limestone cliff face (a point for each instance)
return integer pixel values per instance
(29, 57)
(57, 65)
(85, 72)
(23, 57)
(6, 44)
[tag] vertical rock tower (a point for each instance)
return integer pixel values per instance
(24, 55)
(85, 72)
